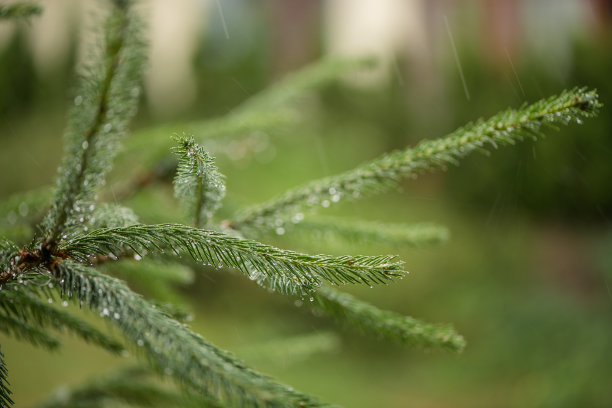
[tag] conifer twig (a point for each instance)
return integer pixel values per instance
(414, 235)
(106, 101)
(131, 385)
(218, 249)
(198, 183)
(25, 307)
(23, 330)
(368, 318)
(393, 326)
(5, 392)
(172, 348)
(269, 109)
(385, 172)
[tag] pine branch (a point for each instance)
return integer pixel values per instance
(19, 10)
(291, 349)
(385, 172)
(219, 249)
(23, 330)
(198, 184)
(25, 307)
(328, 228)
(266, 111)
(131, 386)
(106, 101)
(352, 311)
(390, 325)
(5, 392)
(170, 346)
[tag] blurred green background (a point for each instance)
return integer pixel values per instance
(526, 276)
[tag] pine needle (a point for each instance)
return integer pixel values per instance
(171, 347)
(385, 172)
(218, 249)
(106, 101)
(382, 323)
(198, 184)
(5, 392)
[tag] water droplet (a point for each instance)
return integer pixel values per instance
(325, 203)
(137, 257)
(311, 299)
(11, 217)
(105, 312)
(117, 316)
(65, 303)
(85, 145)
(335, 198)
(50, 300)
(23, 209)
(78, 100)
(107, 128)
(297, 218)
(280, 231)
(140, 343)
(50, 285)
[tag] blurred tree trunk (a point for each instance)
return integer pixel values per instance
(295, 26)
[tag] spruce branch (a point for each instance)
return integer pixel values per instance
(407, 330)
(25, 306)
(414, 235)
(19, 10)
(22, 330)
(198, 184)
(5, 392)
(171, 347)
(351, 311)
(385, 172)
(106, 101)
(267, 110)
(289, 350)
(133, 386)
(218, 249)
